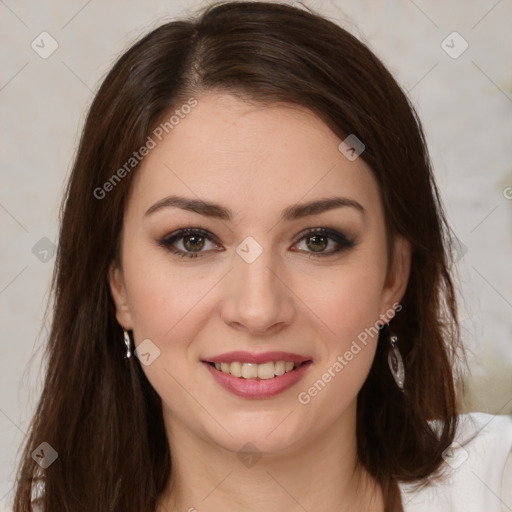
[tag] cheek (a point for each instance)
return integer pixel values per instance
(351, 312)
(348, 301)
(166, 301)
(170, 307)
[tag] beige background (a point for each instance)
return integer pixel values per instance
(465, 104)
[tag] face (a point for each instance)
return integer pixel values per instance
(271, 273)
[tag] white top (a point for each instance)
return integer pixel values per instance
(478, 474)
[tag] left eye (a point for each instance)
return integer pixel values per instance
(194, 240)
(318, 243)
(318, 240)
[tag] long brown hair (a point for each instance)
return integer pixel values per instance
(98, 411)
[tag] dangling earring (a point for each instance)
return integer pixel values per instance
(395, 362)
(127, 343)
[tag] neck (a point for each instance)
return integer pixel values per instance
(323, 474)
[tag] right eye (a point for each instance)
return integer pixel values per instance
(192, 240)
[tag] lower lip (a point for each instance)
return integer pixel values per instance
(258, 388)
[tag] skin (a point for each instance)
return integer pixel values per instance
(257, 160)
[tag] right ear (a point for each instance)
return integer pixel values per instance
(119, 296)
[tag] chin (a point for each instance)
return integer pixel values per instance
(266, 434)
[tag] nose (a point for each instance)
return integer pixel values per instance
(258, 298)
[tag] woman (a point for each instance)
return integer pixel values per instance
(253, 304)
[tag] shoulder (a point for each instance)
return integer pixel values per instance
(477, 470)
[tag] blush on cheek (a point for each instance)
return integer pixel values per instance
(161, 299)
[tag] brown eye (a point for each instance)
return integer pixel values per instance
(189, 243)
(317, 243)
(317, 240)
(193, 242)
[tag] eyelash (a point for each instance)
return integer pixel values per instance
(342, 241)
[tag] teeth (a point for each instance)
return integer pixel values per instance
(266, 371)
(279, 367)
(235, 369)
(252, 370)
(249, 370)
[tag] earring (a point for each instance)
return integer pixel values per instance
(127, 343)
(396, 363)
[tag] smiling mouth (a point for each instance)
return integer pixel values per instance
(264, 371)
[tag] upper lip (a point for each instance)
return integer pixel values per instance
(250, 357)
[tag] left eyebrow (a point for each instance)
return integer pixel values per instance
(319, 206)
(216, 210)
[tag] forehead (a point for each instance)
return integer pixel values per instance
(253, 157)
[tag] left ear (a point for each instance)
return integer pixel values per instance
(398, 273)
